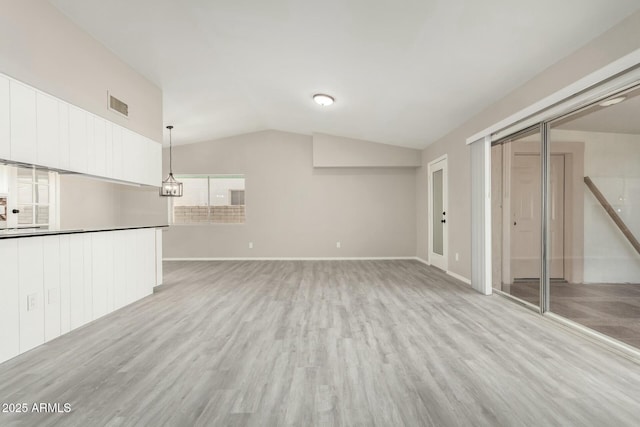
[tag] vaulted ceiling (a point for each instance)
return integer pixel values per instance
(402, 72)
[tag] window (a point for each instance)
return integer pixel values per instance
(237, 197)
(210, 199)
(35, 194)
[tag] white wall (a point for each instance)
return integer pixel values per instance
(90, 203)
(294, 209)
(43, 48)
(612, 161)
(595, 54)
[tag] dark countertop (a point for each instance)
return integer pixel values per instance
(35, 232)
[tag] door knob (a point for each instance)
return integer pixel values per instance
(16, 211)
(514, 223)
(443, 221)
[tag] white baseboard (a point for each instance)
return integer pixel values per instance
(459, 277)
(424, 261)
(294, 259)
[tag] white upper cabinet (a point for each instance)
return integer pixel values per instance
(116, 153)
(99, 147)
(23, 123)
(109, 150)
(48, 131)
(91, 146)
(42, 130)
(129, 155)
(77, 140)
(63, 127)
(5, 118)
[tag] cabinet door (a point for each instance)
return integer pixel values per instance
(109, 271)
(23, 123)
(109, 150)
(88, 277)
(91, 146)
(119, 269)
(99, 274)
(158, 255)
(147, 249)
(9, 300)
(99, 146)
(65, 285)
(76, 281)
(116, 152)
(31, 280)
(132, 267)
(48, 131)
(5, 119)
(51, 251)
(63, 126)
(145, 161)
(77, 140)
(129, 152)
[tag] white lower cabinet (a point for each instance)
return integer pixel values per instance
(119, 269)
(53, 284)
(65, 285)
(76, 280)
(102, 272)
(9, 300)
(87, 253)
(51, 263)
(31, 283)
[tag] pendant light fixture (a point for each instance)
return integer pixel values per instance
(171, 187)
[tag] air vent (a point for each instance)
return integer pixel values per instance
(118, 106)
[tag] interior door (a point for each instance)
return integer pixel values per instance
(526, 221)
(438, 205)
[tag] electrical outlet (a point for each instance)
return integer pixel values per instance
(250, 245)
(457, 256)
(32, 302)
(338, 245)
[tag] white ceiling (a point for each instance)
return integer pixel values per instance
(403, 73)
(619, 118)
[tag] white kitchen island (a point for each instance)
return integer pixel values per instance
(54, 281)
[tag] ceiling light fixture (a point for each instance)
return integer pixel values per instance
(171, 187)
(612, 101)
(322, 99)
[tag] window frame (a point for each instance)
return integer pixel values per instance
(209, 222)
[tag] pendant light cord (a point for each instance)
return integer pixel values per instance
(170, 152)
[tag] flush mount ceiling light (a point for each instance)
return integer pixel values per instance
(612, 101)
(171, 187)
(322, 99)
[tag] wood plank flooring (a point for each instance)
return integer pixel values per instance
(306, 343)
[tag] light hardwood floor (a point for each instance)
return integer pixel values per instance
(305, 343)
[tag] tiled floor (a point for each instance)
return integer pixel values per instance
(610, 308)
